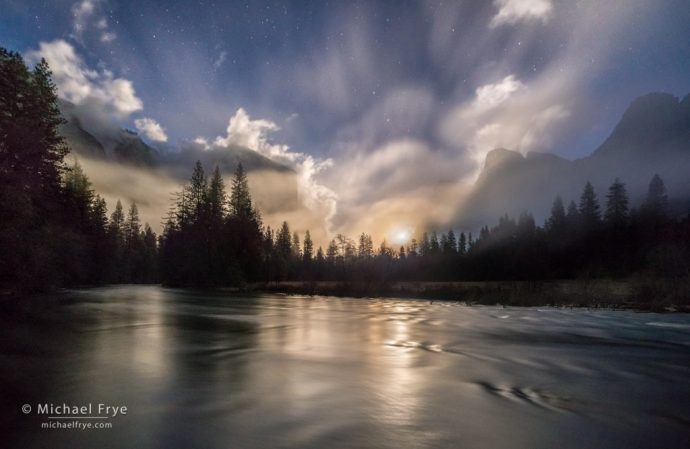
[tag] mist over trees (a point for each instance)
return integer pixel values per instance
(56, 231)
(217, 239)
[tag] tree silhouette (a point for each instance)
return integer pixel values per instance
(589, 210)
(462, 244)
(656, 203)
(308, 248)
(557, 221)
(617, 204)
(240, 199)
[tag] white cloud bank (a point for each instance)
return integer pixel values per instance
(79, 84)
(507, 114)
(243, 131)
(513, 11)
(489, 96)
(151, 129)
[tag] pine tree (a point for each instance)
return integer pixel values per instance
(462, 244)
(32, 150)
(150, 256)
(332, 252)
(32, 202)
(484, 231)
(366, 246)
(78, 193)
(589, 210)
(557, 221)
(240, 199)
(656, 203)
(132, 226)
(572, 217)
(452, 244)
(196, 194)
(385, 251)
(443, 243)
(424, 246)
(283, 242)
(117, 221)
(132, 256)
(216, 200)
(99, 215)
(308, 248)
(526, 226)
(320, 264)
(433, 243)
(617, 213)
(47, 113)
(101, 245)
(116, 240)
(296, 247)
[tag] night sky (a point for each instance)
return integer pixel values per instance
(424, 89)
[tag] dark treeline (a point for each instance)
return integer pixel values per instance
(580, 241)
(212, 239)
(54, 230)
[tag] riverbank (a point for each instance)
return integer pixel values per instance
(644, 294)
(657, 295)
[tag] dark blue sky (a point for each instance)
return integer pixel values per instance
(370, 99)
(269, 54)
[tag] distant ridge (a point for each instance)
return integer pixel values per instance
(127, 147)
(652, 136)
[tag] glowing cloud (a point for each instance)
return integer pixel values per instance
(253, 134)
(79, 84)
(151, 129)
(513, 11)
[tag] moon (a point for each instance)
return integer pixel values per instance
(400, 236)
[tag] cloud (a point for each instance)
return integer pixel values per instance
(108, 36)
(201, 141)
(524, 107)
(491, 95)
(243, 131)
(81, 13)
(513, 11)
(220, 60)
(420, 184)
(86, 17)
(79, 84)
(151, 129)
(401, 124)
(507, 114)
(336, 78)
(252, 134)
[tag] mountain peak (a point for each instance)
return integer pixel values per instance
(500, 156)
(650, 121)
(648, 113)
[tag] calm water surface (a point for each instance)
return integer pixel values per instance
(205, 370)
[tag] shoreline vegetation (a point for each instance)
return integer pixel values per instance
(641, 295)
(653, 295)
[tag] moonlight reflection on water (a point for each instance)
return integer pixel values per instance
(203, 369)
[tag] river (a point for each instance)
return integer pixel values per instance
(200, 369)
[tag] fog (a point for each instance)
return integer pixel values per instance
(153, 190)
